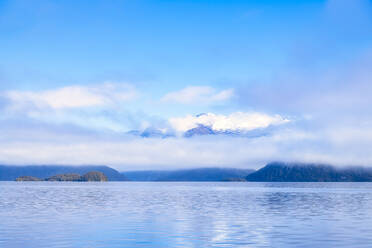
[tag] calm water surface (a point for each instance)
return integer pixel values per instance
(131, 214)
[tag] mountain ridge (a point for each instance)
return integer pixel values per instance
(196, 175)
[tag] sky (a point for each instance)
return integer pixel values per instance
(79, 80)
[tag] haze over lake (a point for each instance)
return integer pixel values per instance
(144, 214)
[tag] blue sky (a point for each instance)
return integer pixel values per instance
(75, 76)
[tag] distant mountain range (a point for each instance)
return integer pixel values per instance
(200, 174)
(10, 173)
(272, 172)
(299, 172)
(206, 130)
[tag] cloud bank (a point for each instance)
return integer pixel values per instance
(335, 131)
(337, 146)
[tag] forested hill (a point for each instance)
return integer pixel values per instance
(300, 172)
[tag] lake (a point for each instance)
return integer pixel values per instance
(184, 214)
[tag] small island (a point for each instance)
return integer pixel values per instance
(27, 179)
(93, 176)
(68, 177)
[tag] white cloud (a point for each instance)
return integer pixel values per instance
(71, 96)
(198, 95)
(235, 121)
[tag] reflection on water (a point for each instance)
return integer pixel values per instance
(129, 214)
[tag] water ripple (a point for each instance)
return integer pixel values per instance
(128, 214)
